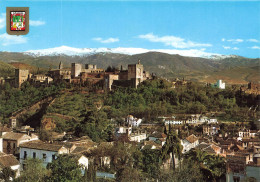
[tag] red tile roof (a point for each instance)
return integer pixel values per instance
(8, 160)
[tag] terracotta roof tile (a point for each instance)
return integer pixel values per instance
(8, 160)
(80, 149)
(39, 145)
(158, 135)
(5, 129)
(192, 138)
(15, 136)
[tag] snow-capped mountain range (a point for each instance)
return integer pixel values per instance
(71, 51)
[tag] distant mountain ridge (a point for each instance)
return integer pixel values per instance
(71, 51)
(232, 69)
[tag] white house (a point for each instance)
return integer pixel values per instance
(193, 119)
(47, 152)
(211, 129)
(82, 161)
(220, 84)
(150, 145)
(190, 142)
(246, 133)
(124, 130)
(204, 119)
(188, 119)
(12, 141)
(131, 120)
(40, 150)
(173, 122)
(1, 144)
(212, 121)
(137, 137)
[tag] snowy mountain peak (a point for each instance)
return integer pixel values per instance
(71, 51)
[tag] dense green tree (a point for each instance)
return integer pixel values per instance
(45, 135)
(155, 97)
(151, 162)
(212, 166)
(172, 146)
(217, 165)
(95, 125)
(13, 99)
(7, 174)
(130, 174)
(188, 172)
(90, 173)
(64, 168)
(33, 171)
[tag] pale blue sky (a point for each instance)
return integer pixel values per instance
(211, 26)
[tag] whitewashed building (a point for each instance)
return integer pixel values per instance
(137, 137)
(193, 119)
(12, 141)
(48, 152)
(220, 84)
(247, 133)
(173, 121)
(134, 122)
(124, 130)
(212, 121)
(40, 150)
(188, 143)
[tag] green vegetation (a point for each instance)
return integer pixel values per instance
(212, 167)
(70, 104)
(6, 69)
(64, 168)
(173, 146)
(132, 164)
(156, 98)
(6, 174)
(12, 99)
(33, 171)
(89, 114)
(189, 172)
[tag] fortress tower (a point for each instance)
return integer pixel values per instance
(20, 77)
(75, 69)
(60, 66)
(135, 73)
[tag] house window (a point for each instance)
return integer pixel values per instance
(25, 155)
(236, 179)
(8, 147)
(13, 145)
(34, 155)
(44, 156)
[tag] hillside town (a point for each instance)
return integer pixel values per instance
(173, 137)
(130, 91)
(241, 152)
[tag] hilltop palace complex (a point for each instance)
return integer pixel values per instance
(85, 75)
(90, 75)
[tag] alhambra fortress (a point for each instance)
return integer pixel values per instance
(90, 75)
(84, 75)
